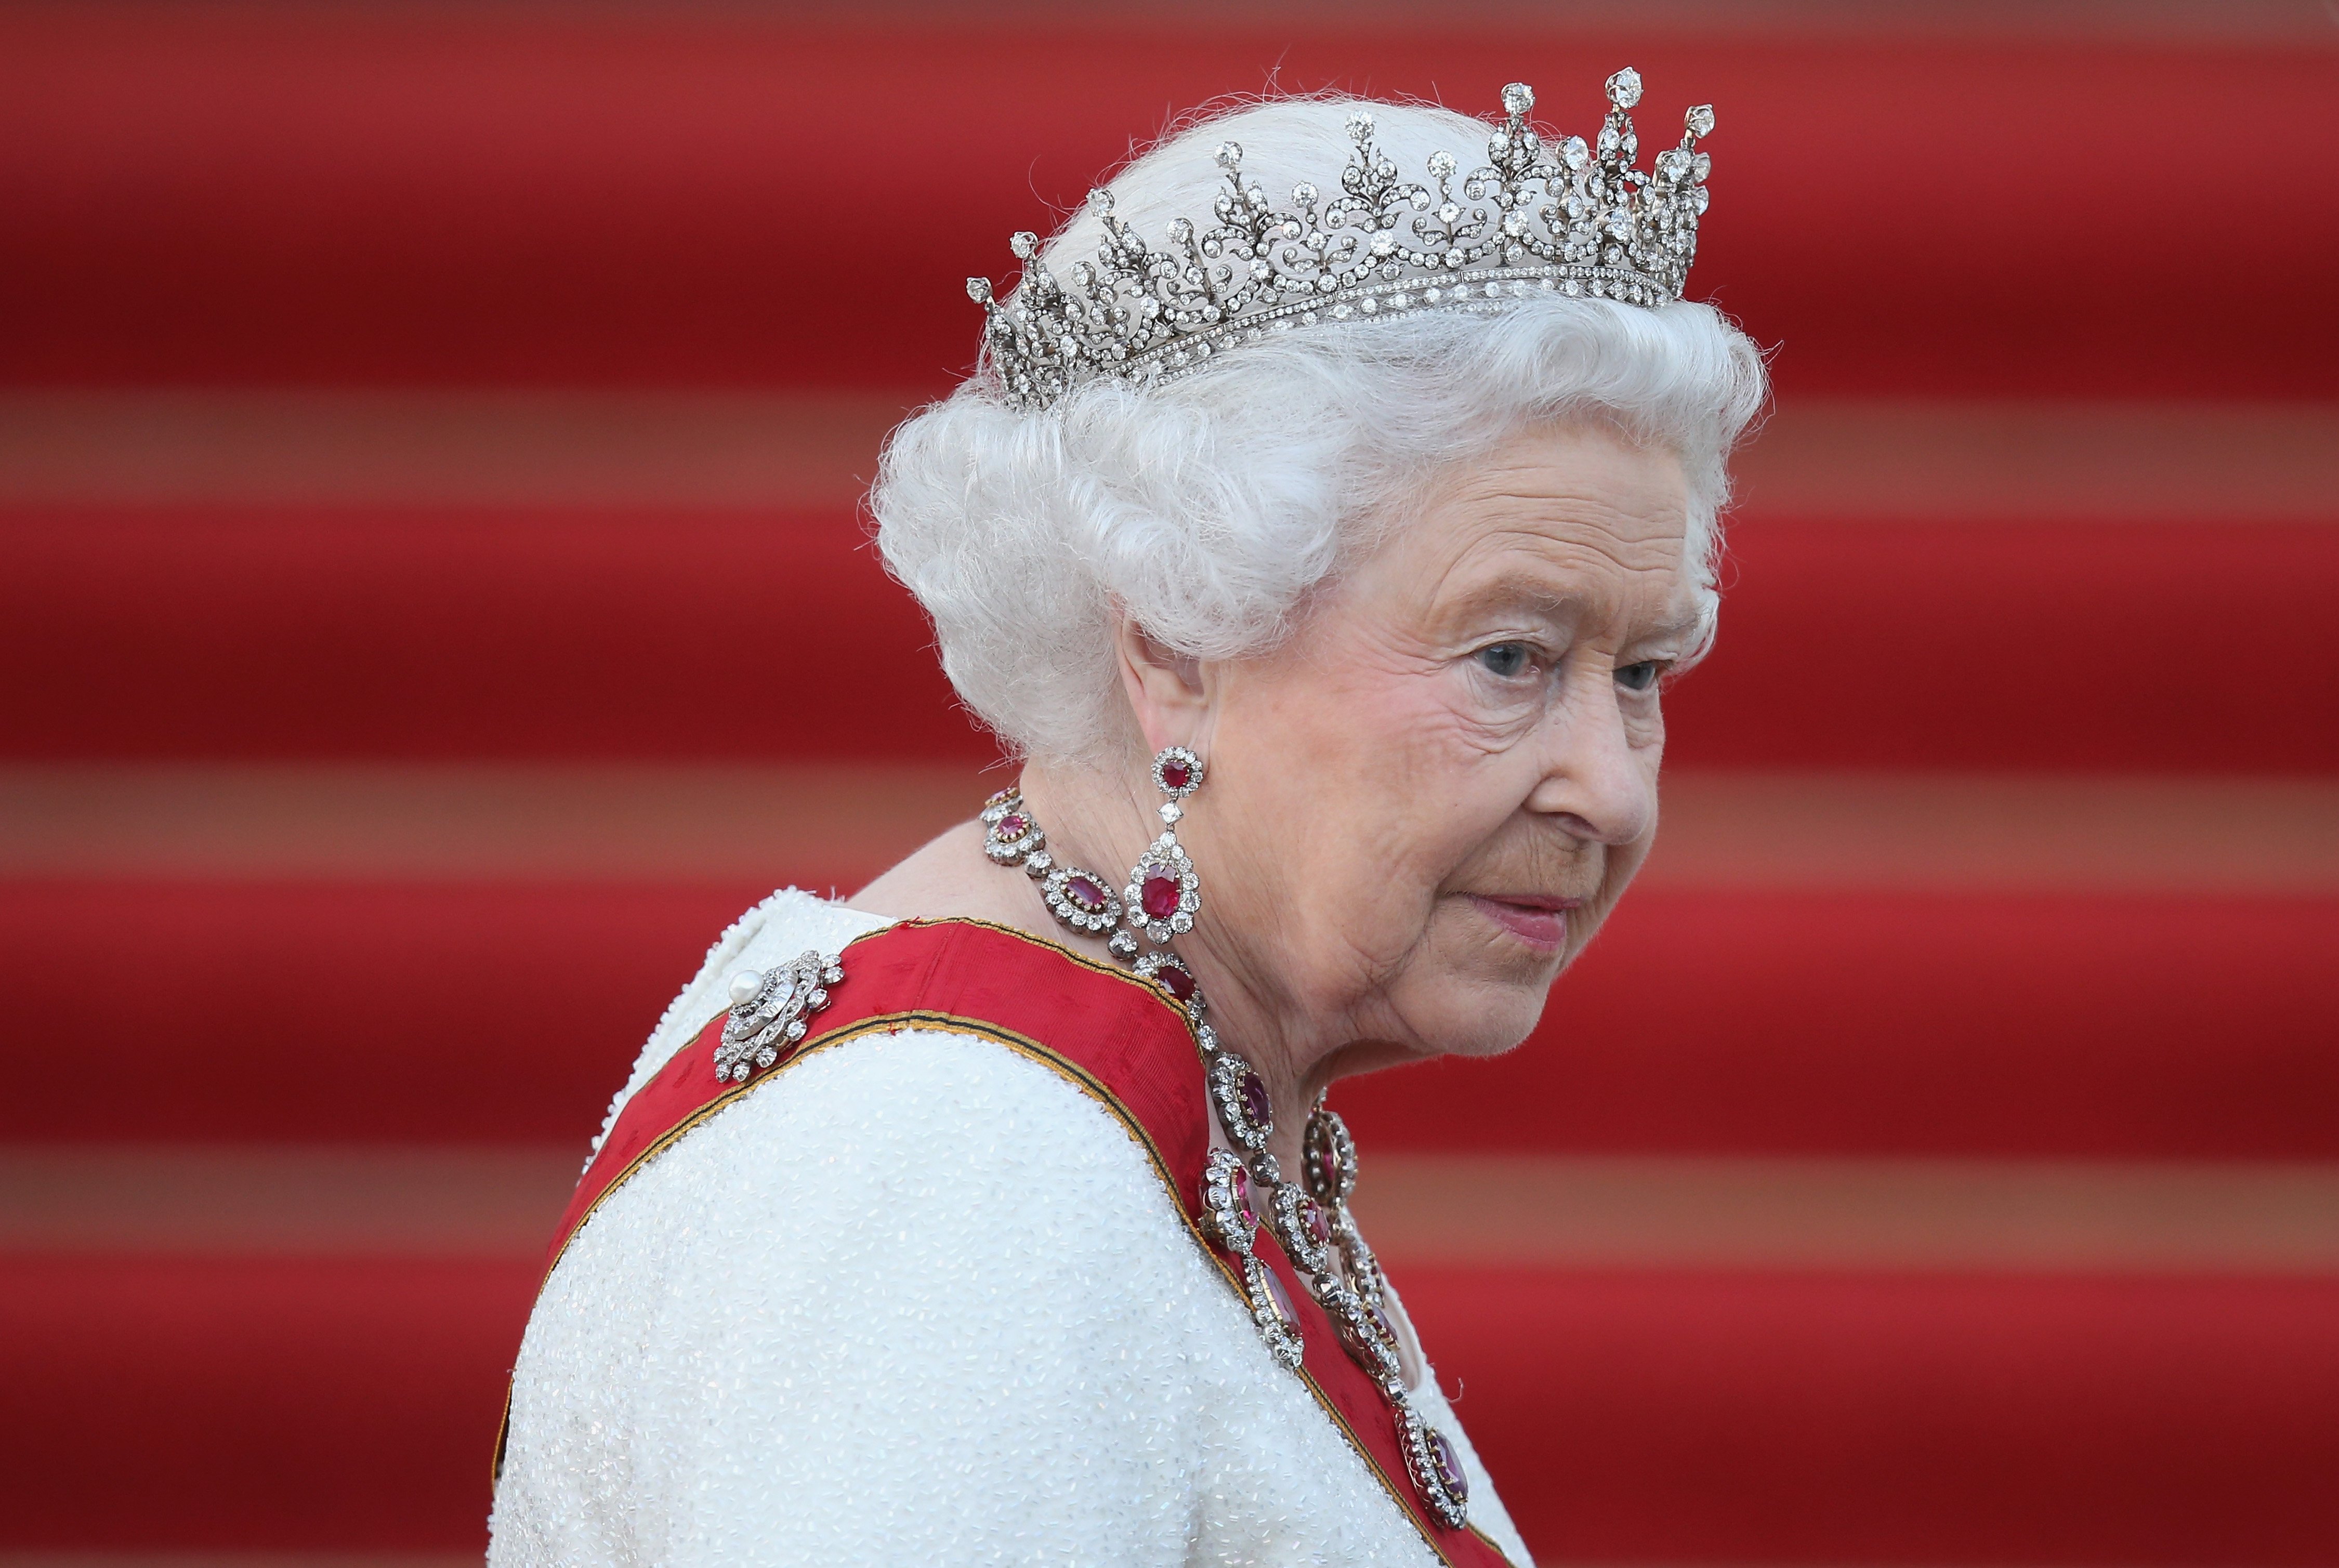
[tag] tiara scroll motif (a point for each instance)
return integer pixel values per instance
(1570, 219)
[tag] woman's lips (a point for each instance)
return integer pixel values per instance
(1540, 922)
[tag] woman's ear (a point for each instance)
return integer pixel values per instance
(1165, 688)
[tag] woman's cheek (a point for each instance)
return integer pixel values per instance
(1645, 722)
(1481, 716)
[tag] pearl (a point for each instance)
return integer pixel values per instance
(744, 985)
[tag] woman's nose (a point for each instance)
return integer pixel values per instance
(1599, 784)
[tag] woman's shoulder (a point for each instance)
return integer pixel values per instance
(947, 1134)
(788, 923)
(921, 1128)
(886, 1208)
(910, 1273)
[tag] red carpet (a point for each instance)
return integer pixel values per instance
(254, 1405)
(1668, 1417)
(1841, 1419)
(1754, 1023)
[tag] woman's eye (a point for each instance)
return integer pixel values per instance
(1508, 660)
(1637, 677)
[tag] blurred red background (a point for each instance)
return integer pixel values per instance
(433, 602)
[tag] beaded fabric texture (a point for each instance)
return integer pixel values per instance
(1571, 219)
(918, 1300)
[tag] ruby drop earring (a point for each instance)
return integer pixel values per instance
(1164, 895)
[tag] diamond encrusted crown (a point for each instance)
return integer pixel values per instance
(1565, 218)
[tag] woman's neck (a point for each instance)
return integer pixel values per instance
(1102, 820)
(1099, 821)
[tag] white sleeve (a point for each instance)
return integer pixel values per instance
(918, 1301)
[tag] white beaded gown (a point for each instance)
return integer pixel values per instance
(922, 1302)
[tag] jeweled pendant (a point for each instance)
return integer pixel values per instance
(1301, 1226)
(1009, 832)
(1240, 1096)
(1177, 771)
(1436, 1468)
(1356, 1259)
(1271, 1309)
(1330, 1161)
(1163, 894)
(1169, 972)
(1225, 1202)
(1365, 1334)
(1079, 899)
(1230, 1221)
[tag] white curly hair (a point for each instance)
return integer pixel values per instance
(1208, 508)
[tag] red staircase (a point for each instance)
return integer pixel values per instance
(267, 207)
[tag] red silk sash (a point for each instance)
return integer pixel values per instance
(1116, 1037)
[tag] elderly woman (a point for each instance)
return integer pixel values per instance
(1334, 504)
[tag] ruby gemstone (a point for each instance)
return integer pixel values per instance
(1449, 1467)
(1312, 1220)
(1282, 1297)
(1176, 982)
(1158, 895)
(1013, 825)
(1085, 894)
(1239, 1184)
(1255, 1103)
(1328, 1170)
(1176, 774)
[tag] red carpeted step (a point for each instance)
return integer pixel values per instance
(1820, 1418)
(437, 633)
(1887, 1023)
(315, 1013)
(231, 193)
(2037, 647)
(1659, 1417)
(1702, 1022)
(306, 1404)
(402, 633)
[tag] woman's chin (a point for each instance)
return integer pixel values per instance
(1483, 988)
(1482, 1018)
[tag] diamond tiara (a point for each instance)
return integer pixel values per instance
(1568, 219)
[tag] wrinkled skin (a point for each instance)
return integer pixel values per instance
(1421, 805)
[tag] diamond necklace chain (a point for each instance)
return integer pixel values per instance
(1309, 1217)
